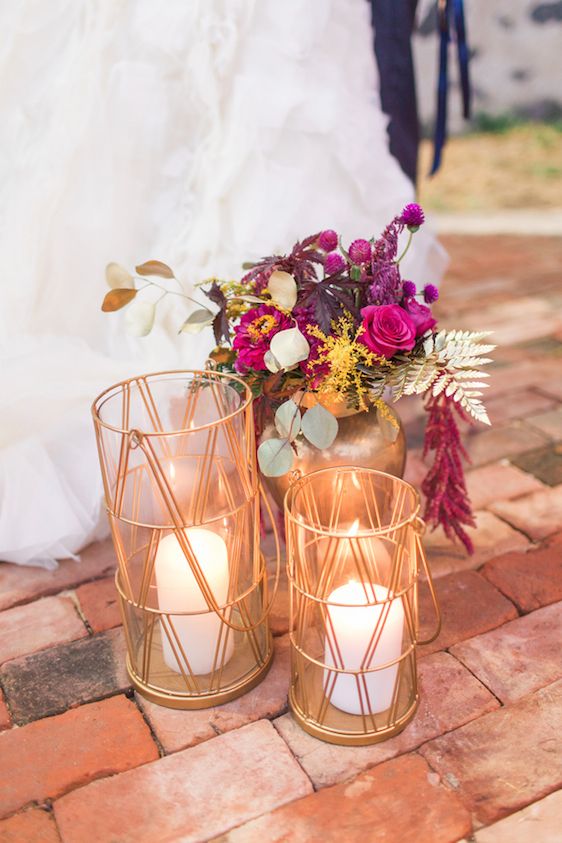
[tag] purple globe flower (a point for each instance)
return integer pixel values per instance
(412, 216)
(430, 293)
(328, 240)
(409, 289)
(333, 263)
(360, 251)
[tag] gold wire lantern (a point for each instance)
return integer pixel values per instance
(178, 459)
(354, 557)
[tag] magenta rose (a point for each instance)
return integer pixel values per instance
(252, 336)
(387, 329)
(421, 315)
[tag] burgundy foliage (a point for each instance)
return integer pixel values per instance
(444, 486)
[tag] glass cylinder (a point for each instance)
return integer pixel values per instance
(178, 458)
(354, 558)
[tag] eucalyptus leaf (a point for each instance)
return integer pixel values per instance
(283, 289)
(271, 362)
(319, 426)
(288, 420)
(139, 318)
(289, 347)
(161, 270)
(197, 321)
(275, 457)
(118, 277)
(116, 299)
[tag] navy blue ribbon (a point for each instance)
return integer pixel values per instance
(451, 24)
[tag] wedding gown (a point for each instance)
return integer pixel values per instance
(201, 133)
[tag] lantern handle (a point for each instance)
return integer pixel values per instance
(419, 527)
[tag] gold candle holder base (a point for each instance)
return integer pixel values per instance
(344, 737)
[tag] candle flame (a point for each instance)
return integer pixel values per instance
(172, 472)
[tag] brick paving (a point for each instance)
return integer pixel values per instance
(83, 758)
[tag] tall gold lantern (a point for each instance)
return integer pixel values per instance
(354, 559)
(178, 459)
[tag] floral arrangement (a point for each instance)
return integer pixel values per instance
(324, 325)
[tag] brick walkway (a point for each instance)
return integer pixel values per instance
(84, 760)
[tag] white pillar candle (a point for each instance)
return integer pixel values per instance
(353, 626)
(178, 591)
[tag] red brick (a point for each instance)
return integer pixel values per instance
(469, 606)
(21, 583)
(549, 423)
(449, 696)
(492, 444)
(541, 822)
(499, 482)
(541, 375)
(538, 515)
(5, 719)
(505, 760)
(51, 756)
(532, 579)
(491, 536)
(517, 658)
(517, 405)
(544, 463)
(99, 604)
(552, 389)
(177, 729)
(401, 801)
(68, 675)
(26, 629)
(193, 795)
(33, 826)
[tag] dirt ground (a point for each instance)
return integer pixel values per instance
(518, 168)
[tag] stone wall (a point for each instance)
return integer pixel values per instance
(516, 64)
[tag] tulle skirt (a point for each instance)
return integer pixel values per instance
(203, 134)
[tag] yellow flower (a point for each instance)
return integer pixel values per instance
(261, 326)
(344, 353)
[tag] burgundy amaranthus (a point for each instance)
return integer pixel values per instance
(444, 487)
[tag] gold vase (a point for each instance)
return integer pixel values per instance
(365, 438)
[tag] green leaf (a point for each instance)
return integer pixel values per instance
(116, 299)
(319, 426)
(275, 457)
(197, 321)
(288, 420)
(161, 270)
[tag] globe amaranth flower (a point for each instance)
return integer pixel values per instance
(360, 251)
(409, 289)
(328, 240)
(412, 216)
(430, 293)
(421, 316)
(387, 328)
(253, 335)
(333, 263)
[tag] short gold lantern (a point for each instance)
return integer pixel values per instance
(178, 458)
(354, 558)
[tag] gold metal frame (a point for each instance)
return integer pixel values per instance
(354, 531)
(177, 451)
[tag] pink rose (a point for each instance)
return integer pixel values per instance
(421, 316)
(388, 329)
